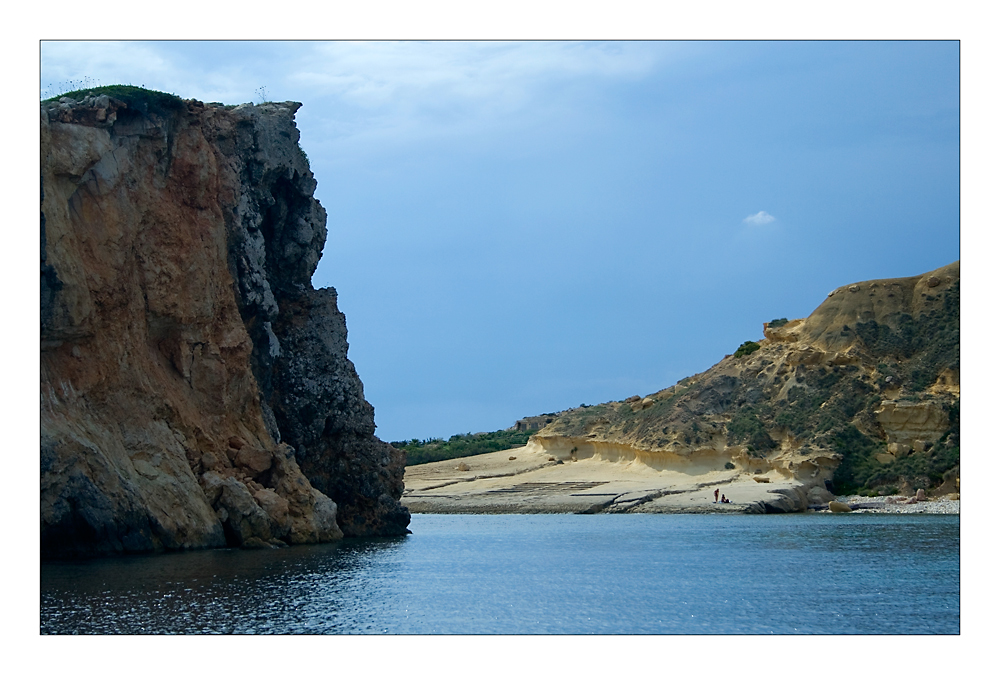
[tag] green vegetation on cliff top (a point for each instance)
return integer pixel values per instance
(139, 98)
(461, 445)
(748, 347)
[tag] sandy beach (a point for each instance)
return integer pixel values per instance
(527, 479)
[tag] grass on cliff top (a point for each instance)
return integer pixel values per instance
(461, 445)
(139, 98)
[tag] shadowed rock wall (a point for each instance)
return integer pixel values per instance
(195, 388)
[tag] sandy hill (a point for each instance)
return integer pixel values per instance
(860, 396)
(863, 392)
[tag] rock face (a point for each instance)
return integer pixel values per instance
(195, 388)
(863, 394)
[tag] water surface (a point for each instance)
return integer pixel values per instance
(548, 574)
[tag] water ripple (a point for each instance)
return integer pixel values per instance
(635, 573)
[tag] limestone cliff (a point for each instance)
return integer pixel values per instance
(861, 395)
(195, 388)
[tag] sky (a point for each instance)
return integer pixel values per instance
(517, 228)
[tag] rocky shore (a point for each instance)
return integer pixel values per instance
(895, 504)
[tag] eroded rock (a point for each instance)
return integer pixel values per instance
(177, 247)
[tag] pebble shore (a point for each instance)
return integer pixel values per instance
(933, 505)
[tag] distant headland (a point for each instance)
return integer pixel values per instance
(860, 398)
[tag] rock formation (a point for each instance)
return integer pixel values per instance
(195, 388)
(861, 395)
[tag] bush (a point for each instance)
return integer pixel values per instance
(931, 340)
(746, 427)
(137, 98)
(460, 445)
(859, 461)
(730, 465)
(777, 323)
(748, 347)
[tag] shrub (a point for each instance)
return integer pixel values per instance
(137, 98)
(460, 445)
(746, 427)
(859, 462)
(777, 323)
(748, 347)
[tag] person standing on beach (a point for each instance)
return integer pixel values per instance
(716, 496)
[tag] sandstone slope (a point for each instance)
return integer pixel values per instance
(861, 395)
(195, 388)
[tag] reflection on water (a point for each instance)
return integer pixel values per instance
(863, 573)
(310, 589)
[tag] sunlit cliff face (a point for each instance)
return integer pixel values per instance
(178, 243)
(868, 379)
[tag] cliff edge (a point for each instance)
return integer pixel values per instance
(195, 387)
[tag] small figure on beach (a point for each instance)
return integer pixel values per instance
(724, 500)
(716, 496)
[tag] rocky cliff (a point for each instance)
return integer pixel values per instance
(195, 388)
(863, 395)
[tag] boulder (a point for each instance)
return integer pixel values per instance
(820, 495)
(253, 457)
(209, 461)
(276, 508)
(241, 516)
(317, 523)
(839, 507)
(899, 449)
(211, 484)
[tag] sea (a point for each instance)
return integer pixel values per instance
(687, 574)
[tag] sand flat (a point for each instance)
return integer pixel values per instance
(534, 483)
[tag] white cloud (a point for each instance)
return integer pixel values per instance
(414, 90)
(759, 218)
(379, 94)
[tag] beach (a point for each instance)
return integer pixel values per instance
(527, 479)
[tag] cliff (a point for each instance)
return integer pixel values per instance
(863, 395)
(195, 387)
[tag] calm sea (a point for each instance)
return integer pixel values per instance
(528, 574)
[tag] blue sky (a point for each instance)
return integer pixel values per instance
(518, 228)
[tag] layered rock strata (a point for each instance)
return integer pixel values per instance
(195, 388)
(862, 394)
